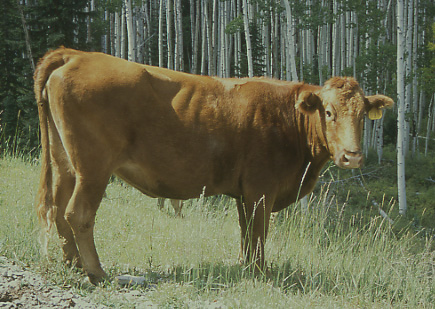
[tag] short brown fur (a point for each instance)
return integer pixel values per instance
(173, 135)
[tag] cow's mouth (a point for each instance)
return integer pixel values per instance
(349, 159)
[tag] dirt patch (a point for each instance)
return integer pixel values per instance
(21, 288)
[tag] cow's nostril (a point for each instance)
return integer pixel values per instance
(351, 159)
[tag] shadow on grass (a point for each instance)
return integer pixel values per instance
(219, 276)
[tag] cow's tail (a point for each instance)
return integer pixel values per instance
(45, 207)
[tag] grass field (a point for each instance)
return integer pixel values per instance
(322, 258)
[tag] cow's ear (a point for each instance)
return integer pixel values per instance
(375, 104)
(308, 102)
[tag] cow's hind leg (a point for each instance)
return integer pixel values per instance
(160, 203)
(80, 214)
(177, 205)
(63, 189)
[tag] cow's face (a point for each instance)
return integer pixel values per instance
(341, 106)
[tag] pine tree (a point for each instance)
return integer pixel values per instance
(19, 120)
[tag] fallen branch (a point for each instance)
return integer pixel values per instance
(382, 212)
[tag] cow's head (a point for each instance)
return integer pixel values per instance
(341, 106)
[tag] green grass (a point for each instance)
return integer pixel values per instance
(331, 256)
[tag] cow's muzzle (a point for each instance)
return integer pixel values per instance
(350, 159)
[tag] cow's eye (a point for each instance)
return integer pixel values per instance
(330, 115)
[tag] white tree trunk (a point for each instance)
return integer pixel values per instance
(247, 38)
(210, 57)
(408, 68)
(335, 41)
(169, 26)
(161, 16)
(415, 101)
(380, 138)
(179, 55)
(401, 130)
(291, 52)
(429, 124)
(117, 35)
(195, 25)
(214, 37)
(204, 51)
(123, 33)
(26, 36)
(130, 31)
(140, 27)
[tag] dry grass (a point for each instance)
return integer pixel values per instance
(317, 260)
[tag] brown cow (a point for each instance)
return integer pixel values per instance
(170, 134)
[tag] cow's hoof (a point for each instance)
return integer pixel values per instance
(97, 279)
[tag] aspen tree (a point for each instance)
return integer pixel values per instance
(104, 39)
(275, 40)
(238, 42)
(408, 68)
(111, 33)
(210, 57)
(178, 21)
(401, 130)
(123, 34)
(147, 48)
(429, 123)
(291, 52)
(415, 100)
(130, 31)
(169, 30)
(161, 16)
(203, 38)
(140, 27)
(26, 36)
(247, 38)
(195, 25)
(214, 40)
(117, 34)
(229, 42)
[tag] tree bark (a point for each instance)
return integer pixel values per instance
(401, 130)
(27, 37)
(169, 32)
(178, 18)
(247, 38)
(130, 31)
(291, 42)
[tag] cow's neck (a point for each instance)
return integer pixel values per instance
(316, 144)
(310, 127)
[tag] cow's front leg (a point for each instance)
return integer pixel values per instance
(80, 214)
(254, 224)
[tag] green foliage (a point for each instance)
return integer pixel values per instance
(60, 23)
(427, 67)
(50, 24)
(19, 118)
(378, 183)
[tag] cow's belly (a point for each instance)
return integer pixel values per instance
(168, 182)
